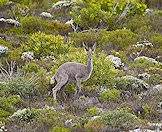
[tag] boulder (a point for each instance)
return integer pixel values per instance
(3, 50)
(7, 23)
(27, 56)
(116, 61)
(46, 15)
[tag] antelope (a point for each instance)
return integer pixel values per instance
(73, 72)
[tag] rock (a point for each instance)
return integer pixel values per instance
(64, 4)
(70, 123)
(116, 61)
(143, 44)
(27, 56)
(3, 50)
(94, 118)
(46, 15)
(5, 23)
(144, 76)
(149, 12)
(159, 59)
(73, 25)
(3, 129)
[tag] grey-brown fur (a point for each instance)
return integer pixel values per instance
(72, 72)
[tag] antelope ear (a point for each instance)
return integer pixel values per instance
(85, 46)
(94, 46)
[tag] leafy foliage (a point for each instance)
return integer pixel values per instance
(130, 83)
(44, 45)
(120, 119)
(104, 12)
(110, 95)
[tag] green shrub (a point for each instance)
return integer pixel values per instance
(8, 106)
(94, 125)
(130, 83)
(23, 86)
(31, 24)
(144, 63)
(44, 45)
(89, 16)
(31, 67)
(154, 79)
(4, 114)
(78, 38)
(103, 73)
(24, 115)
(119, 39)
(60, 129)
(95, 13)
(93, 111)
(50, 117)
(110, 95)
(120, 119)
(156, 39)
(9, 103)
(5, 43)
(134, 24)
(3, 2)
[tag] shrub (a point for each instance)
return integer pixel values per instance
(3, 2)
(50, 117)
(144, 63)
(24, 115)
(110, 95)
(156, 39)
(89, 16)
(154, 79)
(9, 103)
(93, 111)
(31, 67)
(43, 45)
(103, 73)
(95, 13)
(119, 39)
(120, 119)
(8, 106)
(33, 24)
(78, 38)
(94, 125)
(5, 43)
(134, 24)
(130, 83)
(23, 86)
(60, 129)
(4, 114)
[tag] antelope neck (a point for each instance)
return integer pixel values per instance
(89, 65)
